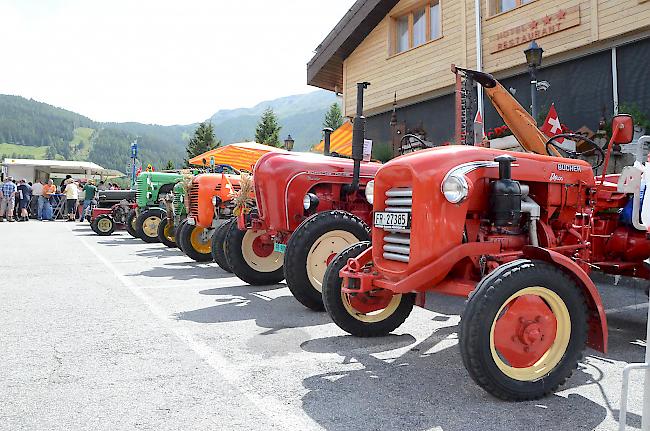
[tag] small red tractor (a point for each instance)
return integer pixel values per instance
(516, 233)
(112, 211)
(309, 207)
(210, 204)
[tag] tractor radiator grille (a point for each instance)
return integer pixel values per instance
(397, 243)
(178, 204)
(194, 200)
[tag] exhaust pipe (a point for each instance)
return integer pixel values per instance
(358, 136)
(327, 132)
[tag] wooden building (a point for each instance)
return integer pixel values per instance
(596, 57)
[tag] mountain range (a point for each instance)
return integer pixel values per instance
(32, 129)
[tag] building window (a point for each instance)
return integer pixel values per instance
(499, 6)
(417, 27)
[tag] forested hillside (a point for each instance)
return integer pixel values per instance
(32, 129)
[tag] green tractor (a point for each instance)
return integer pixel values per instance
(176, 213)
(150, 188)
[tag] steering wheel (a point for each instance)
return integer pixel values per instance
(593, 150)
(410, 136)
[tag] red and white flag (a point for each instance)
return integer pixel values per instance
(552, 125)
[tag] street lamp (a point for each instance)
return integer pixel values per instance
(534, 60)
(288, 143)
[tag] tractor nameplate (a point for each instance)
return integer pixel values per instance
(392, 220)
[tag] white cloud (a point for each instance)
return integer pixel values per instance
(160, 61)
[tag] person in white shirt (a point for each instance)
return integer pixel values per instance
(72, 195)
(38, 201)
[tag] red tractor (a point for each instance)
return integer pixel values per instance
(309, 207)
(516, 233)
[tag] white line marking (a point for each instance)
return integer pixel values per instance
(276, 411)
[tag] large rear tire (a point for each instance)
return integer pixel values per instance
(103, 225)
(524, 330)
(196, 242)
(218, 245)
(147, 224)
(365, 314)
(313, 246)
(131, 220)
(166, 233)
(252, 259)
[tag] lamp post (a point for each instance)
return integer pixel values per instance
(288, 143)
(534, 60)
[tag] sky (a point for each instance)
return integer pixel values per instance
(160, 61)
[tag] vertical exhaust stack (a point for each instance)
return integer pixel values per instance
(358, 136)
(327, 132)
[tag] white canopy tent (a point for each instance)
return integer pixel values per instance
(31, 169)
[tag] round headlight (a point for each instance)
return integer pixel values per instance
(214, 201)
(455, 188)
(370, 191)
(306, 202)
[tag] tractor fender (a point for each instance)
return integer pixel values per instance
(598, 333)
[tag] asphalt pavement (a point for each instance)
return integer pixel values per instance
(110, 333)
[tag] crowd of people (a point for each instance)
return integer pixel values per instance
(21, 200)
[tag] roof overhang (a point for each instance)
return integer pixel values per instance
(325, 69)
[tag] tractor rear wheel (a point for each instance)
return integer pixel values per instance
(196, 242)
(218, 245)
(131, 219)
(147, 224)
(177, 234)
(103, 225)
(364, 314)
(251, 258)
(166, 233)
(524, 330)
(313, 246)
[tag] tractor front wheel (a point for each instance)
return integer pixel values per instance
(195, 242)
(103, 225)
(313, 246)
(218, 245)
(166, 233)
(147, 224)
(131, 220)
(252, 258)
(524, 330)
(364, 314)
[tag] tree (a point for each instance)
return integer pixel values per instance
(268, 130)
(333, 117)
(169, 166)
(202, 141)
(50, 154)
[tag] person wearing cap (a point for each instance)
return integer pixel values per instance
(72, 195)
(7, 199)
(24, 193)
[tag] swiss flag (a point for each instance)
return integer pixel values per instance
(552, 125)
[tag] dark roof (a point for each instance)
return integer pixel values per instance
(325, 69)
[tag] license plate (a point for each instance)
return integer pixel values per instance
(391, 220)
(281, 248)
(191, 221)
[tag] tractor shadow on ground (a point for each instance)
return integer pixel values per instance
(271, 307)
(120, 240)
(160, 252)
(184, 271)
(425, 387)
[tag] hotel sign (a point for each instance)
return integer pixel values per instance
(536, 29)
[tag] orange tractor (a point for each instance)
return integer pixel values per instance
(516, 233)
(210, 203)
